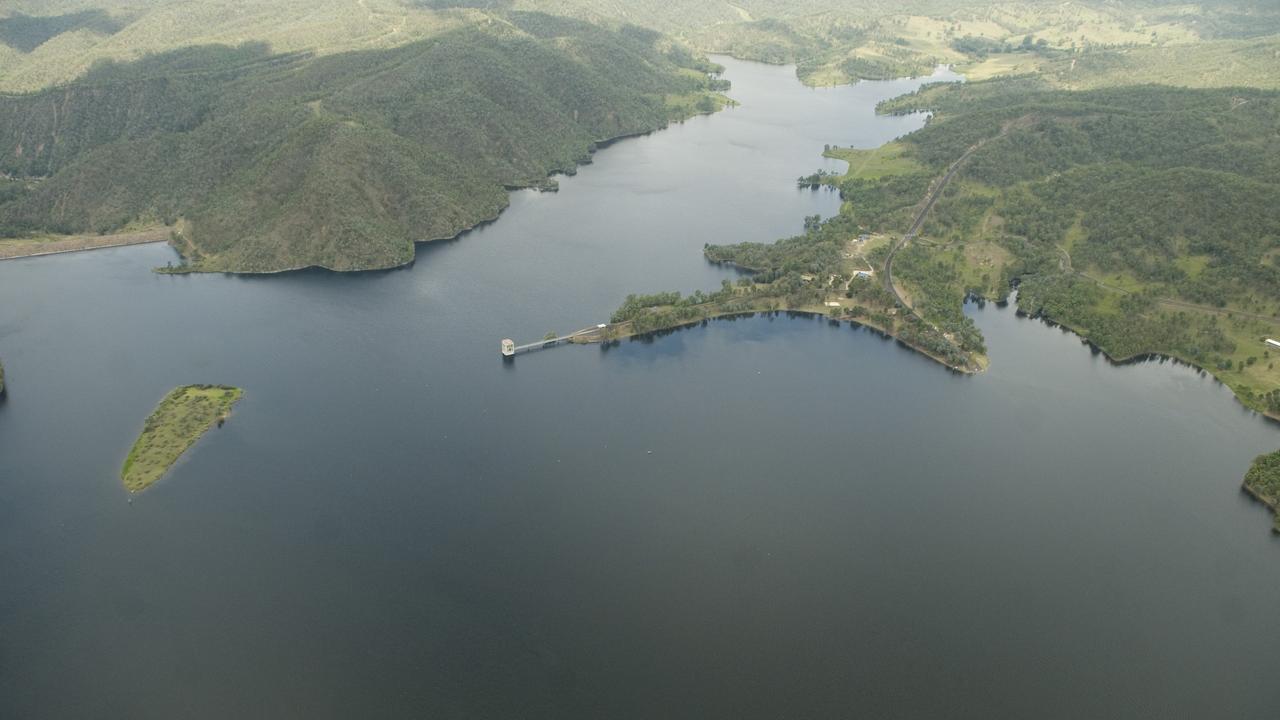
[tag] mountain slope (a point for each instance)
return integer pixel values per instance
(341, 161)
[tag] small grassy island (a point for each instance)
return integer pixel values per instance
(1263, 482)
(178, 421)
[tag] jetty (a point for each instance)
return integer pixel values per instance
(593, 334)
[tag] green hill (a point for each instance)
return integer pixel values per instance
(340, 161)
(1143, 217)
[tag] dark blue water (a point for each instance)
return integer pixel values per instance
(763, 518)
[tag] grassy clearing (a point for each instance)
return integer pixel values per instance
(184, 415)
(1252, 371)
(888, 159)
(1002, 66)
(983, 265)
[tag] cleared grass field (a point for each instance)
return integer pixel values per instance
(1002, 66)
(888, 159)
(185, 414)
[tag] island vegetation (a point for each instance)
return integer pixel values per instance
(181, 418)
(1262, 481)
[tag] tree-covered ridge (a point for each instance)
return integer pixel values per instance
(340, 161)
(831, 41)
(1250, 62)
(835, 41)
(1263, 482)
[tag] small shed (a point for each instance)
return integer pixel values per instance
(1273, 343)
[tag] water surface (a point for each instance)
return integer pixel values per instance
(758, 519)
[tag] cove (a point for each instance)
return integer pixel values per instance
(758, 518)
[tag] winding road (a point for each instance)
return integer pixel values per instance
(935, 192)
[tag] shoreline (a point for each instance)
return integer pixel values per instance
(547, 183)
(617, 332)
(1262, 500)
(1151, 356)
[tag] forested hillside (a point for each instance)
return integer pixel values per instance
(1144, 217)
(341, 161)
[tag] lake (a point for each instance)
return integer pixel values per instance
(762, 518)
